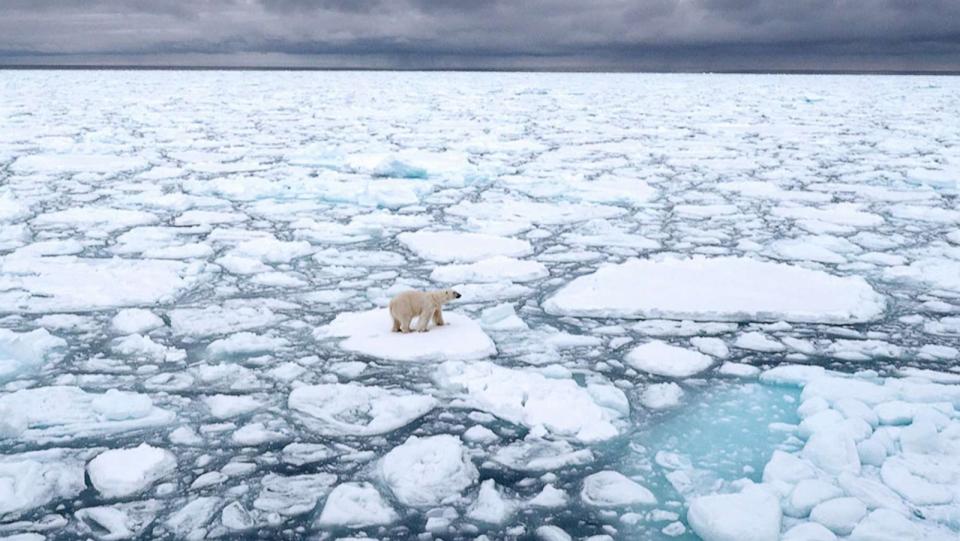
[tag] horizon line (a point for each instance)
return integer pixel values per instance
(205, 67)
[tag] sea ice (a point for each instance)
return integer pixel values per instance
(120, 473)
(721, 517)
(369, 333)
(718, 289)
(25, 352)
(356, 505)
(563, 407)
(428, 471)
(356, 410)
(446, 246)
(613, 489)
(662, 359)
(64, 413)
(73, 284)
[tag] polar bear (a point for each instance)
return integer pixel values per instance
(422, 305)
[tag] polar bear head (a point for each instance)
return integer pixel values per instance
(448, 295)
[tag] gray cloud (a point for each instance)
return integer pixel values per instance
(567, 34)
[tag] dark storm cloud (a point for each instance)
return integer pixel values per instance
(569, 34)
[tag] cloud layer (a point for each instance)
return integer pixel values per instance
(569, 34)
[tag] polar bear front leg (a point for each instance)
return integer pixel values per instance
(438, 317)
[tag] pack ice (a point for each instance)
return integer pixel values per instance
(728, 314)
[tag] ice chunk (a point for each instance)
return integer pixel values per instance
(550, 497)
(119, 473)
(807, 494)
(721, 517)
(711, 346)
(447, 246)
(291, 495)
(78, 163)
(369, 333)
(356, 505)
(718, 289)
(661, 396)
(758, 342)
(833, 450)
(94, 219)
(490, 506)
(33, 479)
(224, 406)
(72, 284)
(545, 213)
(63, 413)
(244, 343)
(613, 489)
(662, 359)
(492, 269)
(135, 321)
(357, 410)
(428, 471)
(271, 250)
(142, 347)
(502, 317)
(942, 273)
(533, 454)
(839, 515)
(25, 352)
(808, 531)
(531, 399)
(120, 521)
(221, 319)
(887, 525)
(552, 533)
(190, 521)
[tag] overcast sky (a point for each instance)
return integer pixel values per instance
(498, 34)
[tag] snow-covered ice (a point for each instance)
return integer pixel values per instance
(369, 333)
(696, 315)
(119, 473)
(718, 289)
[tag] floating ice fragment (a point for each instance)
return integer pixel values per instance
(119, 473)
(724, 289)
(662, 359)
(531, 399)
(356, 505)
(356, 410)
(613, 489)
(428, 471)
(445, 246)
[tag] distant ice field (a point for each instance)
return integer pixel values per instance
(717, 307)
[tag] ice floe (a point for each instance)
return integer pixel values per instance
(588, 413)
(356, 410)
(369, 333)
(718, 289)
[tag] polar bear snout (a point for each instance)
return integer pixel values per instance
(456, 295)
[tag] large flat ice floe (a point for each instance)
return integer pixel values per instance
(560, 405)
(718, 289)
(369, 333)
(446, 246)
(74, 284)
(63, 413)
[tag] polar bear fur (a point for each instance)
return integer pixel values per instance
(423, 305)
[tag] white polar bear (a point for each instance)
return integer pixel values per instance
(422, 305)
